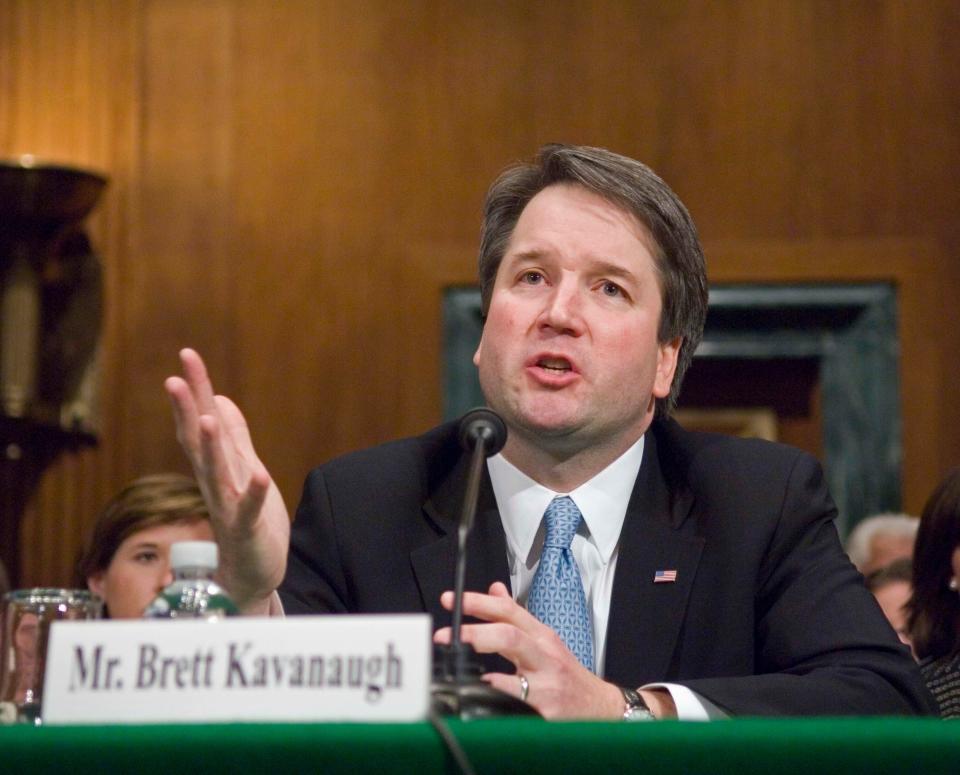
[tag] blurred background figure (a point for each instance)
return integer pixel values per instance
(879, 540)
(127, 557)
(934, 607)
(23, 657)
(4, 588)
(891, 586)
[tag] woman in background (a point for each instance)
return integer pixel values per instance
(127, 559)
(935, 603)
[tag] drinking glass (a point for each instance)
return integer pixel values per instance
(27, 615)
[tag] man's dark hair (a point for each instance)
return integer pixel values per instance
(935, 608)
(637, 190)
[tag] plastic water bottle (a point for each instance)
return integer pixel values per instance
(193, 594)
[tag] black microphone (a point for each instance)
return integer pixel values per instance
(483, 434)
(457, 687)
(482, 425)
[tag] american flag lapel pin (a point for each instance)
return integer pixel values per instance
(667, 576)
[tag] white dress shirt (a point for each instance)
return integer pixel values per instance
(602, 501)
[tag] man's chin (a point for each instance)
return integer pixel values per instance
(547, 426)
(566, 432)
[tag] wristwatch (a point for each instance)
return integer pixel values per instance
(636, 709)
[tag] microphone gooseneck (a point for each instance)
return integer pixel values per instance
(458, 689)
(483, 434)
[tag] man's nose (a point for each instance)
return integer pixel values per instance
(563, 309)
(166, 577)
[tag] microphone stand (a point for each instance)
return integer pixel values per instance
(458, 689)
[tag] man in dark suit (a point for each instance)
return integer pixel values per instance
(698, 575)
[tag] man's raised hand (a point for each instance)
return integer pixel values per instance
(248, 514)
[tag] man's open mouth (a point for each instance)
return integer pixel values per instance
(555, 365)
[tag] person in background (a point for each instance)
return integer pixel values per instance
(877, 541)
(934, 607)
(127, 557)
(891, 587)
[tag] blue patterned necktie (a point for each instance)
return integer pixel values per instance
(556, 596)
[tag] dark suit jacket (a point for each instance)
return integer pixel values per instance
(767, 615)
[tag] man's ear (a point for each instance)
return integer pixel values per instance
(668, 353)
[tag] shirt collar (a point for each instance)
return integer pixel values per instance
(602, 500)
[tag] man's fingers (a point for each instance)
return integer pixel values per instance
(508, 684)
(506, 640)
(195, 374)
(191, 396)
(485, 638)
(247, 488)
(235, 426)
(184, 415)
(499, 606)
(253, 498)
(246, 465)
(216, 473)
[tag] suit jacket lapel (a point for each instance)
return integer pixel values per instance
(434, 564)
(646, 616)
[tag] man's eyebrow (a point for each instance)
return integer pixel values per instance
(533, 254)
(612, 269)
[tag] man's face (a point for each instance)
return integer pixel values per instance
(892, 598)
(885, 549)
(569, 354)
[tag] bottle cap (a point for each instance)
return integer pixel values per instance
(194, 554)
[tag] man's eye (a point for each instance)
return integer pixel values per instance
(145, 557)
(532, 278)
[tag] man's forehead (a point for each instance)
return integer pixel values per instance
(575, 198)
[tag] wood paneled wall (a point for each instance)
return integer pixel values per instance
(293, 182)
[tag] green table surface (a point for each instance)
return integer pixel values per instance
(528, 746)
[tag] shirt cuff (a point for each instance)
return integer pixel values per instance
(690, 705)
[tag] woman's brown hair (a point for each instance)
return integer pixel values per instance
(158, 499)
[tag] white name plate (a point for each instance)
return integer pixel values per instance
(302, 668)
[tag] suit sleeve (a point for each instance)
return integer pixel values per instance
(314, 582)
(822, 645)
